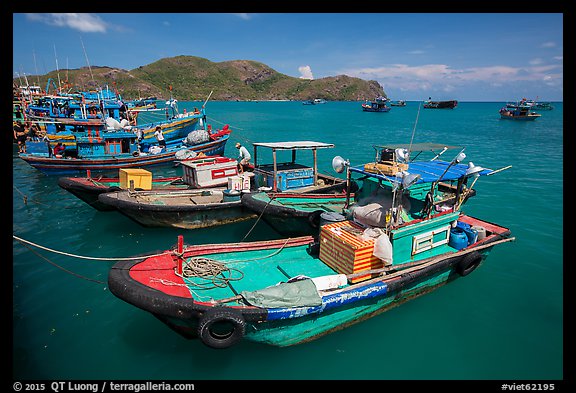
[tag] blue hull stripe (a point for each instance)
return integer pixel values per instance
(330, 301)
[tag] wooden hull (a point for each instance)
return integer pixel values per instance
(187, 209)
(441, 104)
(53, 165)
(293, 214)
(520, 118)
(263, 265)
(88, 189)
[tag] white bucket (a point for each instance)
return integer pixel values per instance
(481, 231)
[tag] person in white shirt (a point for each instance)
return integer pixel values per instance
(160, 136)
(244, 157)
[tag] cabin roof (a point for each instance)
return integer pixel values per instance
(429, 171)
(298, 145)
(424, 146)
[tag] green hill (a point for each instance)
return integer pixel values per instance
(192, 78)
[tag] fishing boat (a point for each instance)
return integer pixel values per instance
(291, 291)
(292, 214)
(186, 209)
(377, 105)
(542, 106)
(292, 175)
(111, 151)
(315, 101)
(88, 188)
(398, 103)
(449, 104)
(224, 205)
(522, 113)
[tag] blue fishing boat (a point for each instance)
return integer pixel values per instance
(110, 151)
(377, 105)
(294, 290)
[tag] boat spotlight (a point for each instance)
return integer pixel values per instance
(459, 158)
(401, 155)
(473, 170)
(409, 178)
(338, 164)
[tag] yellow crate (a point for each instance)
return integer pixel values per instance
(342, 249)
(388, 168)
(141, 177)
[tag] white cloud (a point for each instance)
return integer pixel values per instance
(548, 44)
(243, 15)
(305, 72)
(166, 23)
(416, 52)
(443, 77)
(86, 23)
(535, 61)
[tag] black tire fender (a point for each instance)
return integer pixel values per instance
(314, 218)
(468, 263)
(221, 327)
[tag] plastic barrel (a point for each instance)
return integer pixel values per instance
(472, 235)
(458, 238)
(231, 195)
(330, 218)
(481, 231)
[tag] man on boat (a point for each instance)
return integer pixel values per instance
(243, 158)
(160, 137)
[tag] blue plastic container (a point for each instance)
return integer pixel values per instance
(472, 235)
(458, 238)
(470, 232)
(462, 225)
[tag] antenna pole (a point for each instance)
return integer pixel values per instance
(414, 131)
(57, 71)
(87, 62)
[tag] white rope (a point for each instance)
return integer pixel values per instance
(85, 257)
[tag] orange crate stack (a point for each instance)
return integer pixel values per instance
(343, 249)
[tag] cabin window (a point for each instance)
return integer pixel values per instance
(429, 240)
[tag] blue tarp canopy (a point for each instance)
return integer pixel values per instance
(429, 171)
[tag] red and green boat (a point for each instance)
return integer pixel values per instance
(290, 291)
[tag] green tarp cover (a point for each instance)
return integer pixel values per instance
(299, 293)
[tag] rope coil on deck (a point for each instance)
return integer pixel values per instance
(216, 273)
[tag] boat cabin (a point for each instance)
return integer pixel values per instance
(287, 175)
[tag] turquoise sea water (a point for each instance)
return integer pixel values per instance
(503, 322)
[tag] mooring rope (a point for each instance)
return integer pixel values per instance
(85, 257)
(217, 273)
(218, 121)
(258, 219)
(63, 269)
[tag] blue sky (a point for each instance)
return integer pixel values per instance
(463, 56)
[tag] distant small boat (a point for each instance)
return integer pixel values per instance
(518, 113)
(450, 104)
(315, 101)
(377, 105)
(542, 106)
(398, 103)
